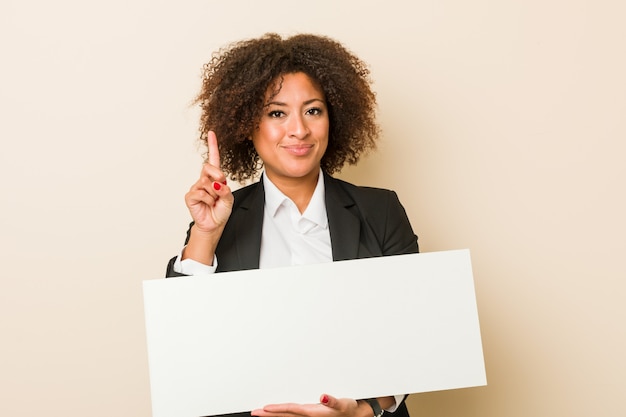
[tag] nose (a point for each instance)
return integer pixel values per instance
(298, 127)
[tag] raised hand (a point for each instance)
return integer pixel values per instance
(210, 202)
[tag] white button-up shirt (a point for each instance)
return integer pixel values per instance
(290, 237)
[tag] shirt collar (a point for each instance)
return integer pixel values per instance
(316, 210)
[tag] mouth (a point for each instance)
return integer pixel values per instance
(298, 150)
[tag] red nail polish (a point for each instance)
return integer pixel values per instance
(324, 399)
(217, 186)
(224, 182)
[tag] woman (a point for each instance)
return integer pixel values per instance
(298, 109)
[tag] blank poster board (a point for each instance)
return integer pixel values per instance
(364, 328)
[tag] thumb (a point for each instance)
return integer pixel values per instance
(223, 191)
(329, 401)
(223, 203)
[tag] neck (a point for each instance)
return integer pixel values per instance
(299, 190)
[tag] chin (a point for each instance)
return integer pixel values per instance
(301, 173)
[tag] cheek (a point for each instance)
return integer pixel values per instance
(324, 132)
(267, 132)
(265, 138)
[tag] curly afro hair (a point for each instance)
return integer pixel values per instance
(237, 79)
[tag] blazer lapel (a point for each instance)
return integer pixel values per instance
(344, 226)
(249, 225)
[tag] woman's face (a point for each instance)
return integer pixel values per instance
(293, 131)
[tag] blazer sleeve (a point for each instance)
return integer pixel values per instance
(169, 272)
(397, 236)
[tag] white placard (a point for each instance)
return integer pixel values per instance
(236, 341)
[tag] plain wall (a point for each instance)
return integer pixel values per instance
(504, 132)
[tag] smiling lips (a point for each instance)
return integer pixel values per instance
(298, 150)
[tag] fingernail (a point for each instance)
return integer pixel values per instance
(217, 186)
(224, 182)
(324, 399)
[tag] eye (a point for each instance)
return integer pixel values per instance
(315, 111)
(276, 113)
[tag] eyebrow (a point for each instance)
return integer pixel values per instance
(307, 102)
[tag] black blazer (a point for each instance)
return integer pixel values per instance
(364, 222)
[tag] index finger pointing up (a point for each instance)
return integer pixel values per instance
(214, 153)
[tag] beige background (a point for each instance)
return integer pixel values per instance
(505, 133)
